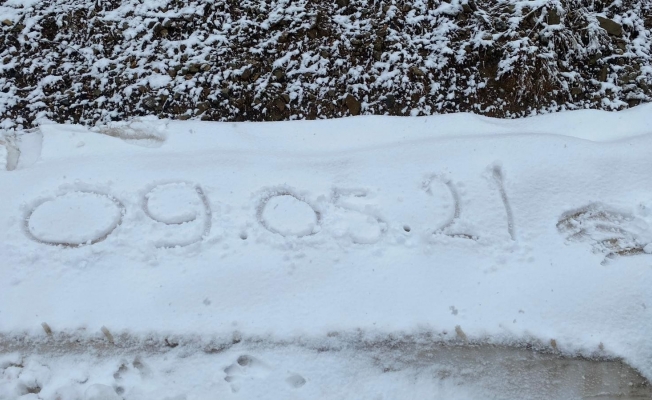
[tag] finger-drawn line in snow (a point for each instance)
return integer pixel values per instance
(274, 209)
(246, 368)
(357, 237)
(611, 232)
(455, 197)
(86, 239)
(497, 173)
(157, 190)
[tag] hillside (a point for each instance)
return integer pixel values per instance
(92, 62)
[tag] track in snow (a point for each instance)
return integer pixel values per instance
(157, 369)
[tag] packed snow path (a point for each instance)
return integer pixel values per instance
(279, 242)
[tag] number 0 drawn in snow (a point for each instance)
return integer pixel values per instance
(181, 211)
(288, 214)
(74, 219)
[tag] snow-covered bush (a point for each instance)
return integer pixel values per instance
(97, 61)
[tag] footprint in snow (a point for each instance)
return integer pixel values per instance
(247, 368)
(609, 231)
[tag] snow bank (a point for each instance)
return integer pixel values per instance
(89, 62)
(450, 229)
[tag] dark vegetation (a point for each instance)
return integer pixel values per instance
(92, 62)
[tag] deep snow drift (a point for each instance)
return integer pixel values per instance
(245, 241)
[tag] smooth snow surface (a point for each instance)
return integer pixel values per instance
(74, 218)
(287, 215)
(441, 229)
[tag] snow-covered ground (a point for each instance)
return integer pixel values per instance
(355, 258)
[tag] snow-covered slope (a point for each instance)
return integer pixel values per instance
(87, 61)
(329, 234)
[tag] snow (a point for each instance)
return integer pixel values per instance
(4, 155)
(370, 51)
(308, 246)
(169, 204)
(74, 218)
(287, 215)
(101, 392)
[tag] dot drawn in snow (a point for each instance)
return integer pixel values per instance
(73, 219)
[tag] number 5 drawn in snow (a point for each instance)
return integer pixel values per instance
(363, 233)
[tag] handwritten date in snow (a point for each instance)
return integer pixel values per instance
(178, 214)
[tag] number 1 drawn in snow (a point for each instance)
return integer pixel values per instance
(497, 173)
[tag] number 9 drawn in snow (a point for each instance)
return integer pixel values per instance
(179, 210)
